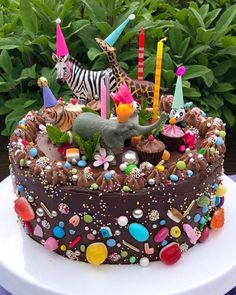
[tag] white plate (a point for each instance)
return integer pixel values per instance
(27, 268)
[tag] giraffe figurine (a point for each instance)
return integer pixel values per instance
(139, 89)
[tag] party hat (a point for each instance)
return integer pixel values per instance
(178, 101)
(61, 47)
(112, 38)
(48, 97)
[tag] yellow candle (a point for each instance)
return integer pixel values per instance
(157, 84)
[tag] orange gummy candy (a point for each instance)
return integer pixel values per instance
(218, 218)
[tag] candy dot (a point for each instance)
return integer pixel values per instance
(61, 223)
(88, 218)
(58, 232)
(124, 254)
(74, 171)
(96, 253)
(82, 248)
(164, 243)
(82, 163)
(94, 186)
(182, 148)
(67, 165)
(190, 173)
(20, 188)
(22, 162)
(108, 176)
(174, 178)
(197, 218)
(132, 259)
(204, 210)
(162, 222)
(222, 133)
(90, 237)
(180, 165)
(111, 242)
(160, 168)
(63, 248)
(33, 152)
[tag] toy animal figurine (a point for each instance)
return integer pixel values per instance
(85, 84)
(59, 116)
(113, 134)
(139, 88)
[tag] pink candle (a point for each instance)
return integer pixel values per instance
(103, 101)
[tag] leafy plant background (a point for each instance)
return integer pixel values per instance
(201, 35)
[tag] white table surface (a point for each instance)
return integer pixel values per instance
(27, 268)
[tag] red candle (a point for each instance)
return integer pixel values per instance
(141, 54)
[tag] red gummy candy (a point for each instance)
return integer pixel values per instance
(170, 254)
(23, 209)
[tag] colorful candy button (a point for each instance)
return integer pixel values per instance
(165, 155)
(33, 152)
(74, 220)
(96, 253)
(122, 220)
(170, 254)
(196, 218)
(175, 232)
(88, 218)
(221, 190)
(203, 201)
(111, 242)
(205, 234)
(174, 178)
(58, 232)
(161, 235)
(132, 259)
(138, 232)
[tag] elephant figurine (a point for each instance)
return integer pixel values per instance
(113, 134)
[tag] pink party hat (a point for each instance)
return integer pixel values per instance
(61, 47)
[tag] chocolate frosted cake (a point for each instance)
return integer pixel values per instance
(103, 188)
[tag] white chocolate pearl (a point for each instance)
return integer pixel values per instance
(144, 261)
(122, 220)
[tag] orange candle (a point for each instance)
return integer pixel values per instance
(157, 84)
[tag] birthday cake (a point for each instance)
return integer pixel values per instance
(108, 179)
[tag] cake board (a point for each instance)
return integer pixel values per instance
(27, 268)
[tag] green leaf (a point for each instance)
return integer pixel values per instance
(227, 51)
(12, 103)
(175, 39)
(229, 116)
(54, 134)
(88, 110)
(64, 138)
(198, 71)
(28, 16)
(225, 20)
(204, 35)
(11, 43)
(5, 61)
(27, 73)
(215, 101)
(96, 12)
(211, 16)
(4, 110)
(197, 17)
(195, 51)
(93, 53)
(191, 92)
(29, 103)
(223, 67)
(223, 87)
(231, 98)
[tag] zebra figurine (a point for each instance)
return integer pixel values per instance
(85, 84)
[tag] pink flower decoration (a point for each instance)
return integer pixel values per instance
(123, 95)
(102, 159)
(180, 71)
(190, 139)
(62, 149)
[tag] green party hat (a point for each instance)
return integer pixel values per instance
(178, 101)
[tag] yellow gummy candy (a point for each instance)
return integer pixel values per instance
(96, 253)
(221, 190)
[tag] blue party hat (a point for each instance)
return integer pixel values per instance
(48, 97)
(113, 37)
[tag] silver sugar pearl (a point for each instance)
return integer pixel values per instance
(74, 177)
(59, 165)
(30, 199)
(48, 168)
(54, 213)
(137, 213)
(117, 232)
(151, 181)
(40, 212)
(28, 163)
(130, 157)
(74, 161)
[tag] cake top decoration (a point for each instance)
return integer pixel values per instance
(61, 47)
(48, 97)
(113, 37)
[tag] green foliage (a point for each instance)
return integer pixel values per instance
(88, 146)
(144, 115)
(57, 136)
(89, 110)
(201, 35)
